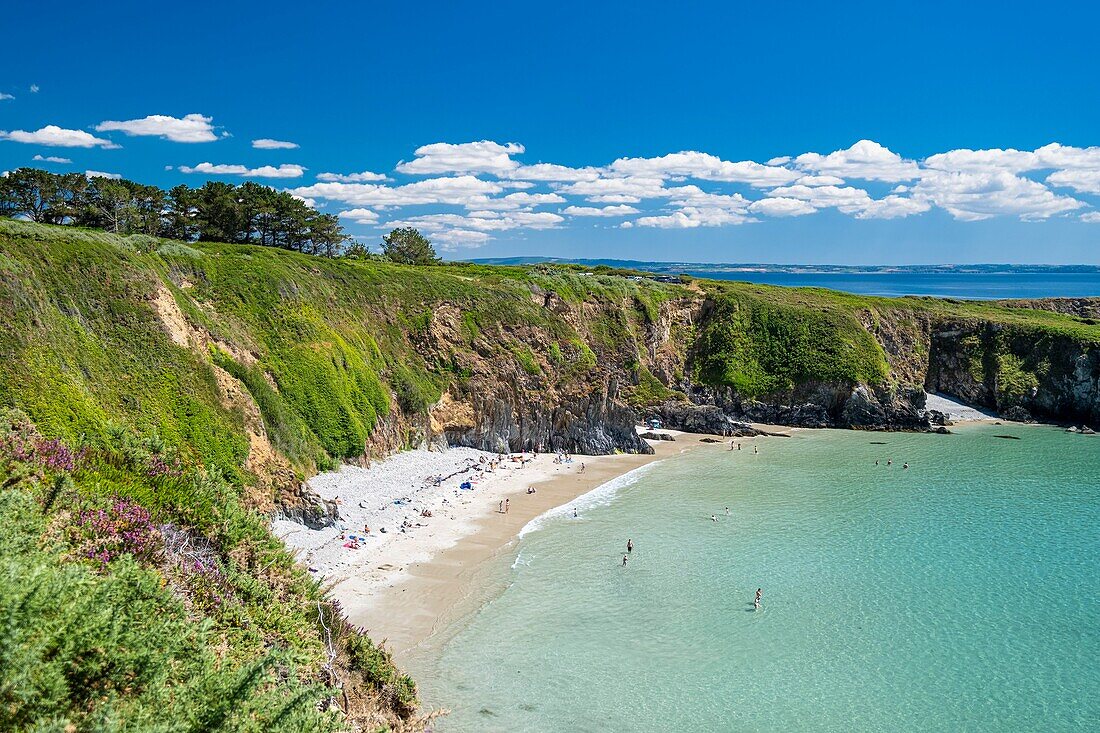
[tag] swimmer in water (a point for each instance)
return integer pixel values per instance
(713, 518)
(727, 511)
(889, 461)
(905, 465)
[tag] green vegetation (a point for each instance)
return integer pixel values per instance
(761, 346)
(407, 246)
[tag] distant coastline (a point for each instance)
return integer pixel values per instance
(966, 282)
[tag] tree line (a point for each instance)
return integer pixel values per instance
(214, 212)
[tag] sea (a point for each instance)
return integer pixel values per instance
(962, 285)
(910, 582)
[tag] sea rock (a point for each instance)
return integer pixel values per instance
(656, 436)
(1017, 413)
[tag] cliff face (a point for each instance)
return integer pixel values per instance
(274, 365)
(1019, 371)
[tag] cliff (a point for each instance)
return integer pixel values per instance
(262, 367)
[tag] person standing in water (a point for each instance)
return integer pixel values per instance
(713, 518)
(630, 545)
(756, 601)
(574, 512)
(624, 561)
(755, 450)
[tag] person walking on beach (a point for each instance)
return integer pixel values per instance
(500, 509)
(630, 545)
(506, 506)
(582, 468)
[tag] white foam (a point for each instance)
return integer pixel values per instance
(599, 496)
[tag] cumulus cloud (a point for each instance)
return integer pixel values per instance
(551, 172)
(468, 191)
(364, 177)
(1092, 217)
(51, 159)
(781, 206)
(4, 97)
(691, 217)
(453, 238)
(192, 128)
(360, 216)
(286, 170)
(619, 210)
(58, 137)
(705, 167)
(1082, 181)
(266, 143)
(638, 187)
(977, 196)
(101, 174)
(476, 157)
(866, 160)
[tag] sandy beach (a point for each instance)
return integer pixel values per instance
(401, 586)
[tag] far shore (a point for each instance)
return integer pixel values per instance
(403, 587)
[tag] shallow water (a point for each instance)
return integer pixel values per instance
(958, 594)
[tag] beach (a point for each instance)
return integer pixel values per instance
(401, 586)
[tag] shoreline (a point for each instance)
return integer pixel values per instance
(403, 588)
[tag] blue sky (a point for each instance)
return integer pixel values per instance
(978, 123)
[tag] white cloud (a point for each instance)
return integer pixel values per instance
(34, 89)
(620, 210)
(893, 207)
(613, 198)
(781, 206)
(705, 167)
(468, 191)
(266, 143)
(192, 128)
(820, 181)
(866, 160)
(360, 216)
(1053, 155)
(1093, 217)
(638, 187)
(101, 174)
(847, 199)
(551, 172)
(475, 157)
(58, 137)
(364, 177)
(454, 238)
(523, 200)
(1082, 181)
(691, 217)
(4, 97)
(286, 170)
(976, 196)
(51, 159)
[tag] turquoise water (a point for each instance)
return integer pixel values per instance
(959, 594)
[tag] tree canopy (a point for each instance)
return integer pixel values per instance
(408, 246)
(217, 212)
